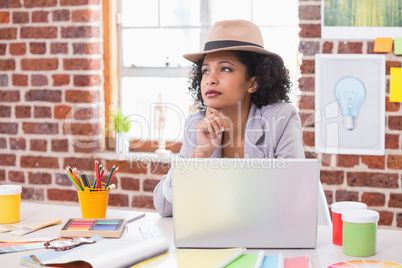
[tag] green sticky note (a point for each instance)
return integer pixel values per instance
(398, 46)
(244, 261)
(395, 85)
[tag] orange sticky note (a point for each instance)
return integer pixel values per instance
(383, 44)
(395, 85)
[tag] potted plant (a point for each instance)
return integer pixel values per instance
(121, 126)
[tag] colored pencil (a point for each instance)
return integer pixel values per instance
(73, 182)
(111, 178)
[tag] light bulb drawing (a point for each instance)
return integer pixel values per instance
(350, 93)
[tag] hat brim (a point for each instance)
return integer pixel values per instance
(195, 57)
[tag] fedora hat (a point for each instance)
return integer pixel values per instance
(240, 35)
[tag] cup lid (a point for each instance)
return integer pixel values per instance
(10, 189)
(340, 207)
(360, 216)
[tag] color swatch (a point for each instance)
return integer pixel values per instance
(91, 227)
(366, 264)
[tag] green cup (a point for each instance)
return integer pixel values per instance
(360, 232)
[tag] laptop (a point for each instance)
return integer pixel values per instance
(253, 203)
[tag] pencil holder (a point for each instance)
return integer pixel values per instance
(93, 203)
(10, 202)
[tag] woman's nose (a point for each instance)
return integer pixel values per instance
(211, 79)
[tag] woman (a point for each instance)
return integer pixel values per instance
(242, 91)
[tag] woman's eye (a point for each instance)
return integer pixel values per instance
(204, 71)
(226, 69)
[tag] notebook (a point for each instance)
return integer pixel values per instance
(253, 203)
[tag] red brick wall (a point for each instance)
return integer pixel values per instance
(374, 180)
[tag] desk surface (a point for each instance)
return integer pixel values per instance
(389, 242)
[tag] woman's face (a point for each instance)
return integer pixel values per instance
(224, 81)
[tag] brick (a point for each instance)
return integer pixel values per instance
(310, 30)
(307, 119)
(3, 48)
(343, 195)
(42, 112)
(386, 218)
(308, 138)
(80, 163)
(62, 195)
(4, 17)
(391, 64)
(17, 144)
(17, 49)
(86, 48)
(394, 162)
(61, 179)
(7, 160)
(8, 128)
(308, 67)
(7, 65)
(40, 3)
(61, 111)
(309, 12)
(3, 81)
(77, 2)
(9, 96)
(87, 80)
(306, 102)
(329, 196)
(118, 200)
(38, 80)
(58, 48)
(3, 143)
(327, 47)
(350, 48)
(130, 184)
(85, 114)
(331, 177)
(61, 15)
(378, 180)
(20, 17)
(80, 32)
(81, 64)
(37, 48)
(49, 32)
(391, 106)
(5, 111)
(86, 146)
(39, 64)
(40, 16)
(142, 202)
(399, 220)
(60, 80)
(370, 47)
(86, 129)
(346, 160)
(149, 185)
(40, 128)
(39, 178)
(2, 175)
(32, 194)
(395, 200)
(309, 48)
(133, 167)
(10, 4)
(22, 111)
(38, 145)
(391, 141)
(373, 162)
(85, 15)
(16, 176)
(82, 96)
(373, 199)
(59, 145)
(395, 122)
(20, 80)
(43, 95)
(39, 162)
(8, 33)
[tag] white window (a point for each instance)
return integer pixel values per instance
(153, 36)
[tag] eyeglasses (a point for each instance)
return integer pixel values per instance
(66, 243)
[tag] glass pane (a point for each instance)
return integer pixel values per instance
(180, 13)
(271, 12)
(230, 9)
(139, 96)
(139, 13)
(156, 47)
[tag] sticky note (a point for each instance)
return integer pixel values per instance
(398, 46)
(395, 85)
(383, 44)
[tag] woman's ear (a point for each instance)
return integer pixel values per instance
(253, 85)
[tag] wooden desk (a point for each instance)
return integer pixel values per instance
(389, 242)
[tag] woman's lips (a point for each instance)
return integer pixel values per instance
(212, 93)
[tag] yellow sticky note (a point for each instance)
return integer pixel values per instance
(383, 44)
(395, 85)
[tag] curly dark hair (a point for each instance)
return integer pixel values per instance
(271, 75)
